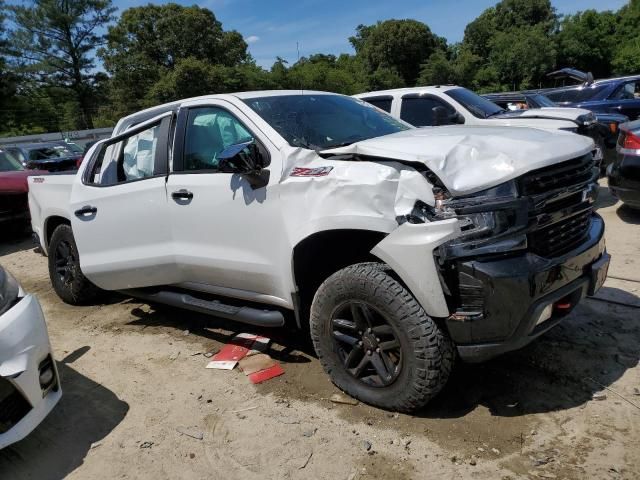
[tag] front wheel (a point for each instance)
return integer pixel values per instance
(64, 269)
(375, 340)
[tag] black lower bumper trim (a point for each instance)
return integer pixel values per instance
(516, 289)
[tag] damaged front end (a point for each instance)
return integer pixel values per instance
(525, 253)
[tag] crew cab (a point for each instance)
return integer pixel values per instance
(396, 248)
(450, 104)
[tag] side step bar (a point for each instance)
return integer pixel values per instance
(251, 316)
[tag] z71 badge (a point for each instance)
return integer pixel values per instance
(310, 172)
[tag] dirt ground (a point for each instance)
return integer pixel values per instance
(134, 374)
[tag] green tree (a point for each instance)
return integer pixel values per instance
(522, 57)
(586, 41)
(626, 59)
(395, 47)
(148, 43)
(53, 43)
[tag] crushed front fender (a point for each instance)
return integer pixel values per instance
(408, 250)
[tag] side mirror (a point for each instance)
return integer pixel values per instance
(440, 116)
(246, 158)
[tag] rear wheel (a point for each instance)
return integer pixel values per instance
(375, 340)
(64, 269)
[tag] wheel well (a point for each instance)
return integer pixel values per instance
(51, 225)
(320, 255)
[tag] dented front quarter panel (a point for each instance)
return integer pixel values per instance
(361, 195)
(370, 195)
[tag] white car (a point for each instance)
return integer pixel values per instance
(450, 104)
(398, 248)
(29, 381)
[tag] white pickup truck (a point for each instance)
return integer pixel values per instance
(450, 105)
(398, 248)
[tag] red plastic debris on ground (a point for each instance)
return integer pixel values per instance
(267, 374)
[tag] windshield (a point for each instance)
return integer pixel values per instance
(55, 151)
(319, 122)
(543, 101)
(479, 106)
(8, 163)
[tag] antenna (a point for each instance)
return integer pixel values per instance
(298, 51)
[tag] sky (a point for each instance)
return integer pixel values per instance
(273, 27)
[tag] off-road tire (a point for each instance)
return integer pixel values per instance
(427, 352)
(78, 291)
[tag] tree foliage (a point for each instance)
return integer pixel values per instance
(51, 80)
(53, 44)
(154, 46)
(396, 48)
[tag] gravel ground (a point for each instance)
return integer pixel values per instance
(134, 375)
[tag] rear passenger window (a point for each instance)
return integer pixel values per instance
(210, 130)
(383, 103)
(134, 157)
(418, 111)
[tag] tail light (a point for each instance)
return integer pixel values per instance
(79, 162)
(628, 142)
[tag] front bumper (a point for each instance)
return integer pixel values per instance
(29, 380)
(518, 297)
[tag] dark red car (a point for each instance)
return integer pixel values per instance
(14, 207)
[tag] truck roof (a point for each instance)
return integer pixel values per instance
(395, 91)
(143, 115)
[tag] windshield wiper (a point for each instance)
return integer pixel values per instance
(499, 112)
(345, 143)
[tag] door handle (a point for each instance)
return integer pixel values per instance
(85, 211)
(182, 194)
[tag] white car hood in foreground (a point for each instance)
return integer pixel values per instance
(468, 159)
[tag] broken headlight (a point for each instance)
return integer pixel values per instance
(489, 220)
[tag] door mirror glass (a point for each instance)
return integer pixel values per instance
(440, 116)
(242, 157)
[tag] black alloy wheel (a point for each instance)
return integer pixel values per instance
(366, 343)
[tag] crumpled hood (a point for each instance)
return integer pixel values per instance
(468, 159)
(561, 113)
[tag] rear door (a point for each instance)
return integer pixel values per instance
(119, 210)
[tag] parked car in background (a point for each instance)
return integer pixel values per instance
(14, 207)
(608, 122)
(612, 95)
(50, 156)
(448, 104)
(29, 380)
(397, 248)
(624, 172)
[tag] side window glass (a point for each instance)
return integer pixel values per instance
(381, 103)
(418, 111)
(627, 91)
(210, 131)
(16, 154)
(135, 159)
(138, 155)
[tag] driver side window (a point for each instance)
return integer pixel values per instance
(210, 130)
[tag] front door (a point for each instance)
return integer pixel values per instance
(228, 234)
(119, 210)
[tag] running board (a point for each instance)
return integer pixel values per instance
(251, 316)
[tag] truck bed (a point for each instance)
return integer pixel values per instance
(49, 197)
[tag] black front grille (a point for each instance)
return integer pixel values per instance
(562, 198)
(13, 406)
(560, 237)
(572, 172)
